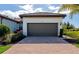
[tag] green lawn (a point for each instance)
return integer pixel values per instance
(73, 34)
(4, 48)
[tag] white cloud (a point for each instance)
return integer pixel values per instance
(62, 12)
(8, 13)
(57, 8)
(38, 10)
(12, 14)
(28, 7)
(65, 12)
(20, 12)
(53, 7)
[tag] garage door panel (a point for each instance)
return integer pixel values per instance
(42, 29)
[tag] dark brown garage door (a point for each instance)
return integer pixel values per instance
(42, 29)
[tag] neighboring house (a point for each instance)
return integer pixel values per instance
(13, 24)
(42, 24)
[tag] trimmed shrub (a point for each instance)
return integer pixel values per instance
(4, 30)
(17, 37)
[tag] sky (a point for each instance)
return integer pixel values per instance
(13, 10)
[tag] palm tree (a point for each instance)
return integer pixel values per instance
(73, 8)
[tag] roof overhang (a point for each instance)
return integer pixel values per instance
(42, 15)
(7, 18)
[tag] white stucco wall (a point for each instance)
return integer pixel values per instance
(12, 25)
(40, 20)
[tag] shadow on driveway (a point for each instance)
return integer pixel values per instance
(43, 40)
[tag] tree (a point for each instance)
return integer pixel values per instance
(73, 8)
(68, 26)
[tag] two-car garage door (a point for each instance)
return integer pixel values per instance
(42, 29)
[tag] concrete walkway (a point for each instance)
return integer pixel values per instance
(42, 45)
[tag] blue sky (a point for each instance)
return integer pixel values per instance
(74, 20)
(9, 7)
(16, 9)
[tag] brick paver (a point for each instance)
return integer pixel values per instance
(42, 45)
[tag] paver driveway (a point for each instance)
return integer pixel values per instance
(42, 45)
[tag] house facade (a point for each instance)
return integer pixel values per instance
(13, 24)
(42, 24)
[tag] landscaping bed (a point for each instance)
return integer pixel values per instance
(7, 37)
(16, 37)
(74, 37)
